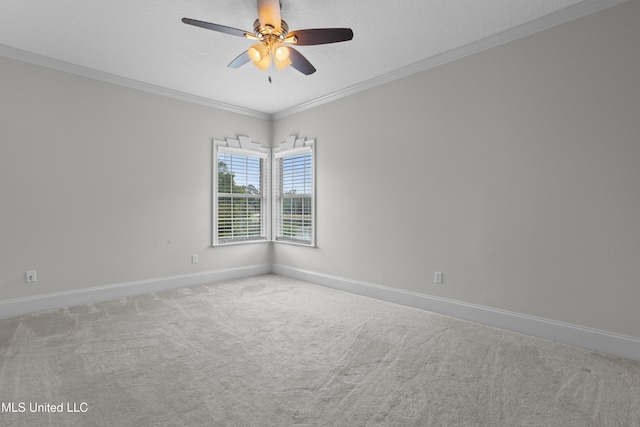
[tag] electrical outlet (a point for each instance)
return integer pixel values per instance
(31, 276)
(437, 277)
(194, 259)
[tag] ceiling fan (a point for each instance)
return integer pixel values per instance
(275, 40)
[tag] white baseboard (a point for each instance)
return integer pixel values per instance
(20, 306)
(591, 339)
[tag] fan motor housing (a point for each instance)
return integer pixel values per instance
(268, 31)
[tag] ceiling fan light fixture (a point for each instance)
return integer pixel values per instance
(263, 64)
(270, 32)
(281, 65)
(254, 53)
(280, 52)
(259, 54)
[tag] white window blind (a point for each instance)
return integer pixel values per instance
(294, 196)
(240, 202)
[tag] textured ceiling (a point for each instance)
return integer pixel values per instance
(144, 40)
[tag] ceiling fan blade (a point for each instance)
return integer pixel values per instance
(215, 27)
(300, 63)
(321, 36)
(269, 13)
(240, 60)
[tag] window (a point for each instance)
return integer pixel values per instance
(294, 192)
(240, 211)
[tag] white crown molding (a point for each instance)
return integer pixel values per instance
(20, 306)
(67, 67)
(584, 8)
(562, 16)
(565, 333)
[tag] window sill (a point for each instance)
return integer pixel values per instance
(253, 242)
(245, 242)
(293, 243)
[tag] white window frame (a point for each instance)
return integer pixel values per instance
(243, 146)
(292, 147)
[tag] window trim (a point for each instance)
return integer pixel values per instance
(291, 147)
(242, 146)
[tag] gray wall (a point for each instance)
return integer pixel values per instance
(515, 171)
(101, 184)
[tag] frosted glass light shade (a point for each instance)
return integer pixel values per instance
(259, 55)
(280, 51)
(281, 56)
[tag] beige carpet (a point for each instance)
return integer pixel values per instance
(272, 351)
